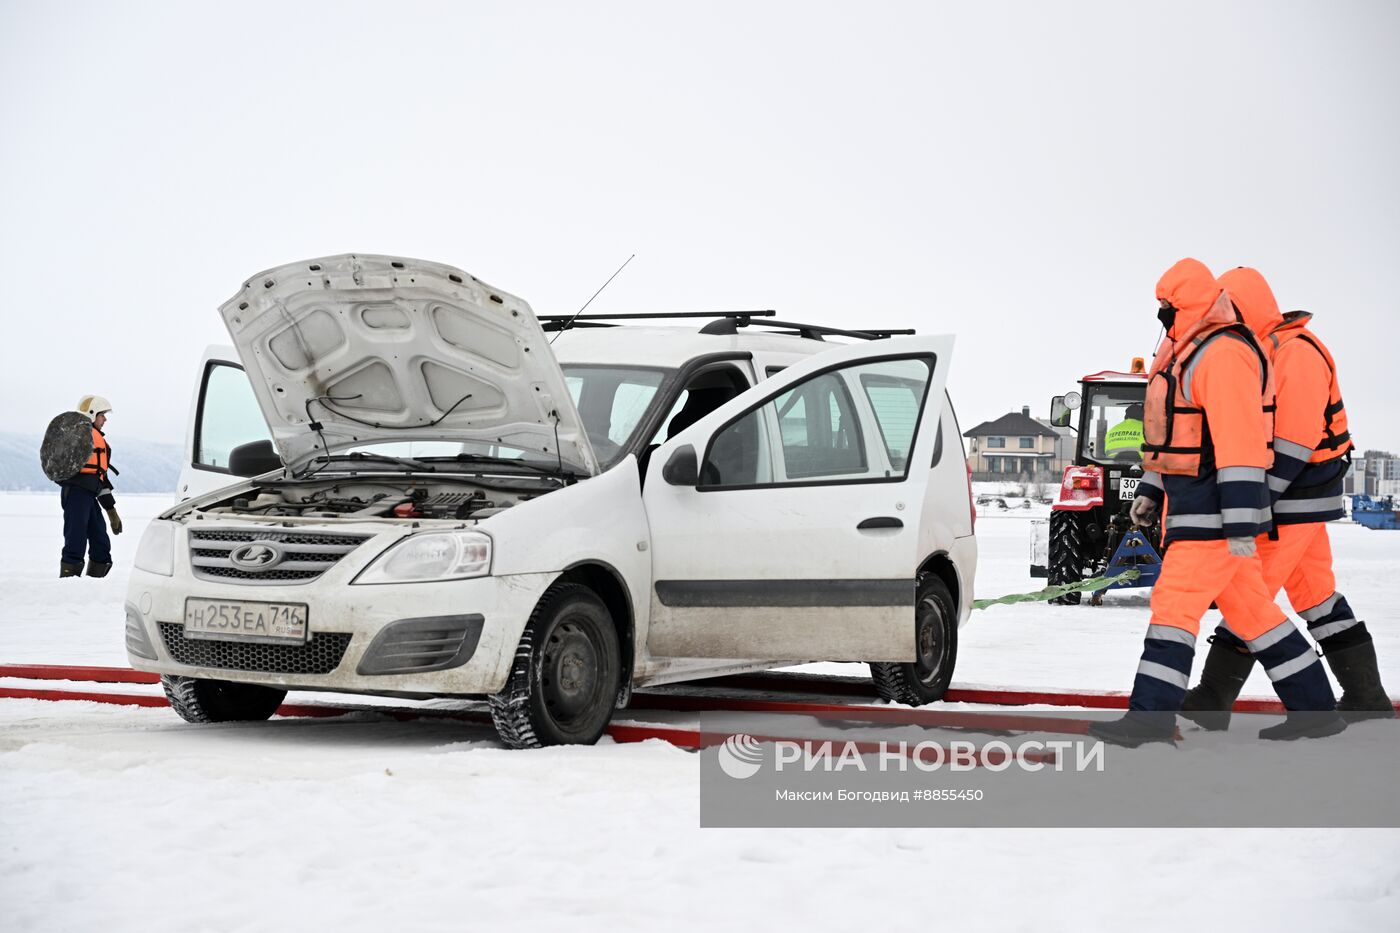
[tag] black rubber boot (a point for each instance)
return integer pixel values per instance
(1136, 728)
(1227, 667)
(1356, 670)
(69, 570)
(1305, 725)
(98, 570)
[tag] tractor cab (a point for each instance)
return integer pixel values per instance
(1106, 416)
(1089, 522)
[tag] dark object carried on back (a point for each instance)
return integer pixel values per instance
(67, 446)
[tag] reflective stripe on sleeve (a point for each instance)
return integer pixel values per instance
(1163, 673)
(1278, 484)
(1193, 521)
(1239, 474)
(1151, 479)
(1246, 516)
(1290, 449)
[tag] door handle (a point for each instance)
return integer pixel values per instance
(879, 522)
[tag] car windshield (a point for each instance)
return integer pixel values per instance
(612, 401)
(1112, 426)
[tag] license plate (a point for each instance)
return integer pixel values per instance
(1127, 488)
(239, 620)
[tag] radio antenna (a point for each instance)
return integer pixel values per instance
(570, 321)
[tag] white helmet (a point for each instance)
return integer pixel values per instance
(93, 405)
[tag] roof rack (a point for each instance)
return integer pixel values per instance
(808, 331)
(722, 322)
(551, 322)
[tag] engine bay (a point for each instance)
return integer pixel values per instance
(360, 497)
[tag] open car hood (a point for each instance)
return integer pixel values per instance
(353, 350)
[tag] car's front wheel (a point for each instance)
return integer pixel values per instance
(563, 683)
(219, 700)
(936, 643)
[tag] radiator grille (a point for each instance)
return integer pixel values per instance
(303, 556)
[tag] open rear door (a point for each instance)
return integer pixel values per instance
(223, 414)
(785, 524)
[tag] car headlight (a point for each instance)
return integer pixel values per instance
(156, 552)
(431, 556)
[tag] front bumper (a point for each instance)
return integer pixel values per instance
(343, 623)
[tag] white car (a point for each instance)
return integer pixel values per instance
(440, 503)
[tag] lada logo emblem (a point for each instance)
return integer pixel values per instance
(260, 555)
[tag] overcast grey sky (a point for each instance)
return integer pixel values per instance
(1019, 174)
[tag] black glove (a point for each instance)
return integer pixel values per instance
(114, 520)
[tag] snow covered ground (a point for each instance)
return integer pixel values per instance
(118, 818)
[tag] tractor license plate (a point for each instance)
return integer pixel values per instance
(238, 620)
(1127, 488)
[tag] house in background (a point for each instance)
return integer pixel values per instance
(1018, 448)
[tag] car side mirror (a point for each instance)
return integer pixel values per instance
(1059, 412)
(682, 467)
(253, 459)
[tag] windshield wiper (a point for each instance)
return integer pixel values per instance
(508, 461)
(378, 458)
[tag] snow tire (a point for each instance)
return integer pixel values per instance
(936, 637)
(201, 701)
(564, 680)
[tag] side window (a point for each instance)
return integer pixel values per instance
(820, 431)
(705, 392)
(820, 435)
(228, 416)
(896, 395)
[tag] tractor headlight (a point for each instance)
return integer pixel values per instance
(431, 556)
(156, 552)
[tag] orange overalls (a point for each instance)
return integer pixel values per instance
(1206, 450)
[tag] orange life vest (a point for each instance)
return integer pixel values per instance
(1173, 428)
(100, 458)
(1337, 441)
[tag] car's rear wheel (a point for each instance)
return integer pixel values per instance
(563, 683)
(936, 643)
(219, 700)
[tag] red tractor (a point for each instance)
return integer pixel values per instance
(1090, 532)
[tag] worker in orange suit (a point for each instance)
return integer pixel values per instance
(1311, 447)
(1206, 451)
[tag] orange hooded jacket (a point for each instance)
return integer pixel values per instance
(1208, 391)
(1310, 424)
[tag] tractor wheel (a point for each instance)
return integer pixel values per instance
(1067, 554)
